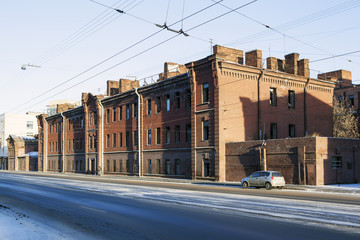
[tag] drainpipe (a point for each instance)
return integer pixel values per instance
(45, 129)
(139, 135)
(305, 108)
(102, 138)
(260, 135)
(63, 144)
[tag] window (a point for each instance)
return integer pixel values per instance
(120, 139)
(90, 142)
(188, 133)
(121, 165)
(167, 135)
(114, 140)
(158, 136)
(149, 137)
(107, 115)
(114, 165)
(149, 165)
(188, 99)
(177, 166)
(149, 106)
(158, 104)
(127, 139)
(29, 124)
(177, 100)
(177, 134)
(114, 114)
(107, 140)
(81, 122)
(120, 113)
(158, 166)
(135, 108)
(273, 130)
(273, 98)
(336, 162)
(292, 130)
(167, 167)
(351, 100)
(291, 99)
(135, 138)
(205, 93)
(95, 142)
(69, 145)
(168, 103)
(206, 168)
(73, 144)
(205, 130)
(127, 111)
(108, 165)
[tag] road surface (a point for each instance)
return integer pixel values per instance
(90, 208)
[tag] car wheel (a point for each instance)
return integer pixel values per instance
(268, 186)
(245, 185)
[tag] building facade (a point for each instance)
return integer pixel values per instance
(307, 160)
(179, 126)
(24, 125)
(22, 153)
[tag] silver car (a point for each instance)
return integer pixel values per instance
(267, 179)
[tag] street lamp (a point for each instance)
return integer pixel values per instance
(23, 67)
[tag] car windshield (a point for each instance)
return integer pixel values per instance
(277, 174)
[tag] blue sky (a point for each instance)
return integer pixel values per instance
(69, 39)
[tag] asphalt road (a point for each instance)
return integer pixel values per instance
(106, 216)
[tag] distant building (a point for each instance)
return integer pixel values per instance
(24, 125)
(52, 108)
(22, 153)
(345, 90)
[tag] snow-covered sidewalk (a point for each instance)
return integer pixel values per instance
(16, 225)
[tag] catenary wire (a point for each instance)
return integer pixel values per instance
(107, 59)
(280, 32)
(142, 52)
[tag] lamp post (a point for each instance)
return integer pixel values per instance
(23, 67)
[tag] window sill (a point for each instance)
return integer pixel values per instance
(204, 103)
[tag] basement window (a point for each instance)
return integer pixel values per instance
(336, 162)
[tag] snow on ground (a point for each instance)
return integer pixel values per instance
(336, 215)
(16, 225)
(354, 185)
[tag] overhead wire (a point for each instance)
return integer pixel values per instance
(300, 21)
(335, 56)
(76, 36)
(79, 35)
(282, 33)
(118, 53)
(86, 33)
(142, 52)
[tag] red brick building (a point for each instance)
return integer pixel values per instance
(179, 126)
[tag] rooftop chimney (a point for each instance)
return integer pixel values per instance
(291, 63)
(254, 58)
(229, 54)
